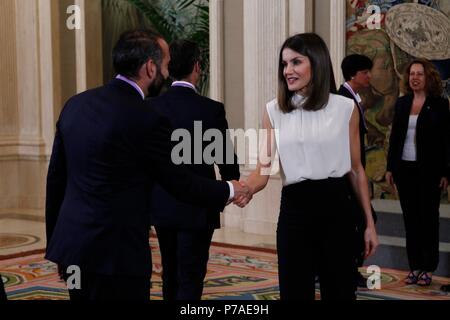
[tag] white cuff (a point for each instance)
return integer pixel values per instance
(231, 190)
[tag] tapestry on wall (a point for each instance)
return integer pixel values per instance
(391, 33)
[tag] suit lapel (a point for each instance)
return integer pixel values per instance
(424, 113)
(406, 110)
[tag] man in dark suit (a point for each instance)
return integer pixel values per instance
(2, 290)
(185, 231)
(356, 70)
(109, 150)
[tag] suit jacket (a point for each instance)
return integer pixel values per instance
(432, 136)
(343, 91)
(109, 150)
(359, 213)
(183, 106)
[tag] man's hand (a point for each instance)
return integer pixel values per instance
(243, 199)
(443, 184)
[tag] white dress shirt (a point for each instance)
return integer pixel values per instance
(409, 149)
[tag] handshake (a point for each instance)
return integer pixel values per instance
(242, 193)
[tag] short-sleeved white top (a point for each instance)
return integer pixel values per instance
(313, 145)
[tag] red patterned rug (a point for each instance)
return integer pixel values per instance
(234, 273)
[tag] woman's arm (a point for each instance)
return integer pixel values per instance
(259, 178)
(359, 182)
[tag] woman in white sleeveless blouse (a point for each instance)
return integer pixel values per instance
(316, 135)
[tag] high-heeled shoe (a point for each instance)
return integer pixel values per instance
(412, 278)
(424, 279)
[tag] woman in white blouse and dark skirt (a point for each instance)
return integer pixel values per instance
(316, 135)
(417, 166)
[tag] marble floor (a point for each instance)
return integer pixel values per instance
(22, 235)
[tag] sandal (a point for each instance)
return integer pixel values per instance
(412, 278)
(424, 279)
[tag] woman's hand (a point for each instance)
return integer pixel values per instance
(371, 240)
(390, 179)
(242, 201)
(443, 184)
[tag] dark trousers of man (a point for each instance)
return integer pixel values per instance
(2, 290)
(184, 256)
(316, 235)
(420, 199)
(97, 287)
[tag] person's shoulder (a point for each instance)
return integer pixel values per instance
(81, 99)
(86, 94)
(337, 99)
(208, 106)
(341, 106)
(405, 99)
(272, 106)
(440, 102)
(343, 91)
(208, 101)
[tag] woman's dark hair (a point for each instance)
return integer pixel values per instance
(322, 76)
(433, 85)
(354, 63)
(133, 49)
(184, 54)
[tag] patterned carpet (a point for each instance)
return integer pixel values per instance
(234, 273)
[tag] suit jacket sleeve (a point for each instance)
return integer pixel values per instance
(445, 133)
(178, 180)
(228, 170)
(56, 183)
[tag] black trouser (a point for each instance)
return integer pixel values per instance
(184, 256)
(316, 235)
(97, 287)
(420, 199)
(2, 290)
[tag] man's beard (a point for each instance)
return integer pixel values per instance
(155, 88)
